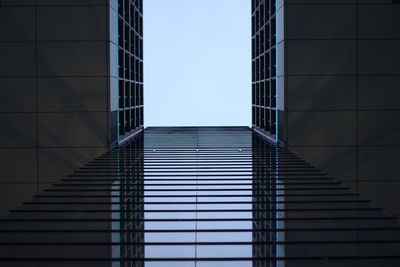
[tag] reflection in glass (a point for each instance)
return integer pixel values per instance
(129, 206)
(198, 197)
(267, 205)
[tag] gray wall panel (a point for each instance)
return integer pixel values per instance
(54, 101)
(17, 59)
(378, 163)
(23, 28)
(73, 129)
(17, 129)
(379, 57)
(18, 94)
(18, 2)
(18, 164)
(321, 57)
(78, 94)
(378, 21)
(18, 136)
(70, 2)
(72, 59)
(60, 23)
(361, 77)
(379, 128)
(378, 92)
(321, 21)
(321, 92)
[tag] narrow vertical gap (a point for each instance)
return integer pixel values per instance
(356, 102)
(108, 48)
(37, 129)
(118, 71)
(197, 199)
(356, 131)
(276, 74)
(285, 73)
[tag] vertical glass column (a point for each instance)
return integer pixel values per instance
(264, 67)
(130, 68)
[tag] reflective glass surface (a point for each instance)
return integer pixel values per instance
(198, 197)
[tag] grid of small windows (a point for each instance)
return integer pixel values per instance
(264, 65)
(130, 65)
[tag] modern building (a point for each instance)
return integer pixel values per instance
(198, 196)
(86, 185)
(331, 70)
(71, 86)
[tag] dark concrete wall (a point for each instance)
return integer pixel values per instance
(54, 90)
(341, 90)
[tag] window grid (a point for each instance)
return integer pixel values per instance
(130, 65)
(264, 65)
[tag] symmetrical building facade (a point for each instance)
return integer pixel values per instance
(324, 87)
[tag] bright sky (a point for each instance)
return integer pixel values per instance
(197, 62)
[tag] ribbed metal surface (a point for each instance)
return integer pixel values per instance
(199, 197)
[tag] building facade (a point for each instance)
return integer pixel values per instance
(337, 76)
(71, 84)
(198, 196)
